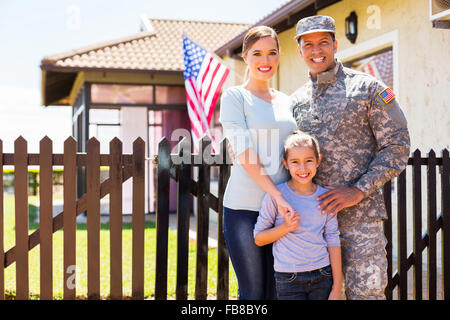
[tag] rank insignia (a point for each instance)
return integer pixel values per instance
(387, 95)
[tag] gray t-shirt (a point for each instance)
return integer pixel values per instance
(251, 122)
(304, 249)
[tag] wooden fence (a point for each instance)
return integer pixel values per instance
(179, 167)
(122, 167)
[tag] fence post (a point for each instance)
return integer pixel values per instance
(93, 217)
(21, 217)
(162, 219)
(402, 268)
(2, 245)
(115, 218)
(69, 218)
(432, 229)
(204, 176)
(183, 211)
(45, 218)
(222, 253)
(387, 195)
(445, 198)
(417, 224)
(138, 218)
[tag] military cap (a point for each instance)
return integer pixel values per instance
(315, 24)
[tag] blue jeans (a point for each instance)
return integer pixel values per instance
(310, 285)
(253, 265)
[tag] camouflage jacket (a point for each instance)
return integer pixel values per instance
(364, 140)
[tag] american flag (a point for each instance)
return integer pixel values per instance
(204, 76)
(387, 95)
(380, 67)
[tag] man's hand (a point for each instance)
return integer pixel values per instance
(339, 198)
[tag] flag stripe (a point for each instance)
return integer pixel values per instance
(202, 76)
(203, 69)
(213, 76)
(216, 84)
(196, 108)
(216, 95)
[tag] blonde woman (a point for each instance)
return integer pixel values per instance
(256, 120)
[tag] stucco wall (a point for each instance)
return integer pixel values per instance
(423, 64)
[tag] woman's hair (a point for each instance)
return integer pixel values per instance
(253, 35)
(256, 33)
(299, 138)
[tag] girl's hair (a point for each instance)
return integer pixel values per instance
(299, 138)
(253, 35)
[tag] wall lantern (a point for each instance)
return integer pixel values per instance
(351, 27)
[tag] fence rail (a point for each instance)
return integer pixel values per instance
(405, 204)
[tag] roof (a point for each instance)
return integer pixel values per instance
(156, 50)
(281, 19)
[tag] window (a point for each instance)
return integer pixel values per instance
(104, 125)
(170, 95)
(125, 94)
(378, 65)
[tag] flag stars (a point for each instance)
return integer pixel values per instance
(193, 58)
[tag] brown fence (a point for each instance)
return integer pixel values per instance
(180, 168)
(122, 167)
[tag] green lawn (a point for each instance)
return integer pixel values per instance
(81, 247)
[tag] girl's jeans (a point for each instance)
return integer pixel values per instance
(253, 265)
(310, 285)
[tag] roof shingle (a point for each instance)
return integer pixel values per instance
(159, 49)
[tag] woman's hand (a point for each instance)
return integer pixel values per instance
(335, 294)
(284, 207)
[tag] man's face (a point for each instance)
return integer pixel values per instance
(318, 49)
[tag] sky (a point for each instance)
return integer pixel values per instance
(31, 30)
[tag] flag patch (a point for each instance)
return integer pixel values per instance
(387, 95)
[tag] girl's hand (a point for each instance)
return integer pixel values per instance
(292, 222)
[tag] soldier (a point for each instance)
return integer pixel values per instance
(365, 142)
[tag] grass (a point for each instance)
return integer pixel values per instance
(81, 260)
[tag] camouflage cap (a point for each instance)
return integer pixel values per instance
(315, 24)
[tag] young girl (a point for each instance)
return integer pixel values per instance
(256, 120)
(306, 246)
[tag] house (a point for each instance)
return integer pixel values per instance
(408, 40)
(134, 86)
(130, 87)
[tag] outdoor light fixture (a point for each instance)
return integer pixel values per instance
(351, 27)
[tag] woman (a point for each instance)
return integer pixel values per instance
(256, 120)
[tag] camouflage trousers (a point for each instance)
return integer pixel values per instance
(364, 261)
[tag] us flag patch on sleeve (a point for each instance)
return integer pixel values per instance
(387, 95)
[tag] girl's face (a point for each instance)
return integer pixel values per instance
(262, 58)
(302, 164)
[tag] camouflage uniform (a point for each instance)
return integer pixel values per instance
(364, 143)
